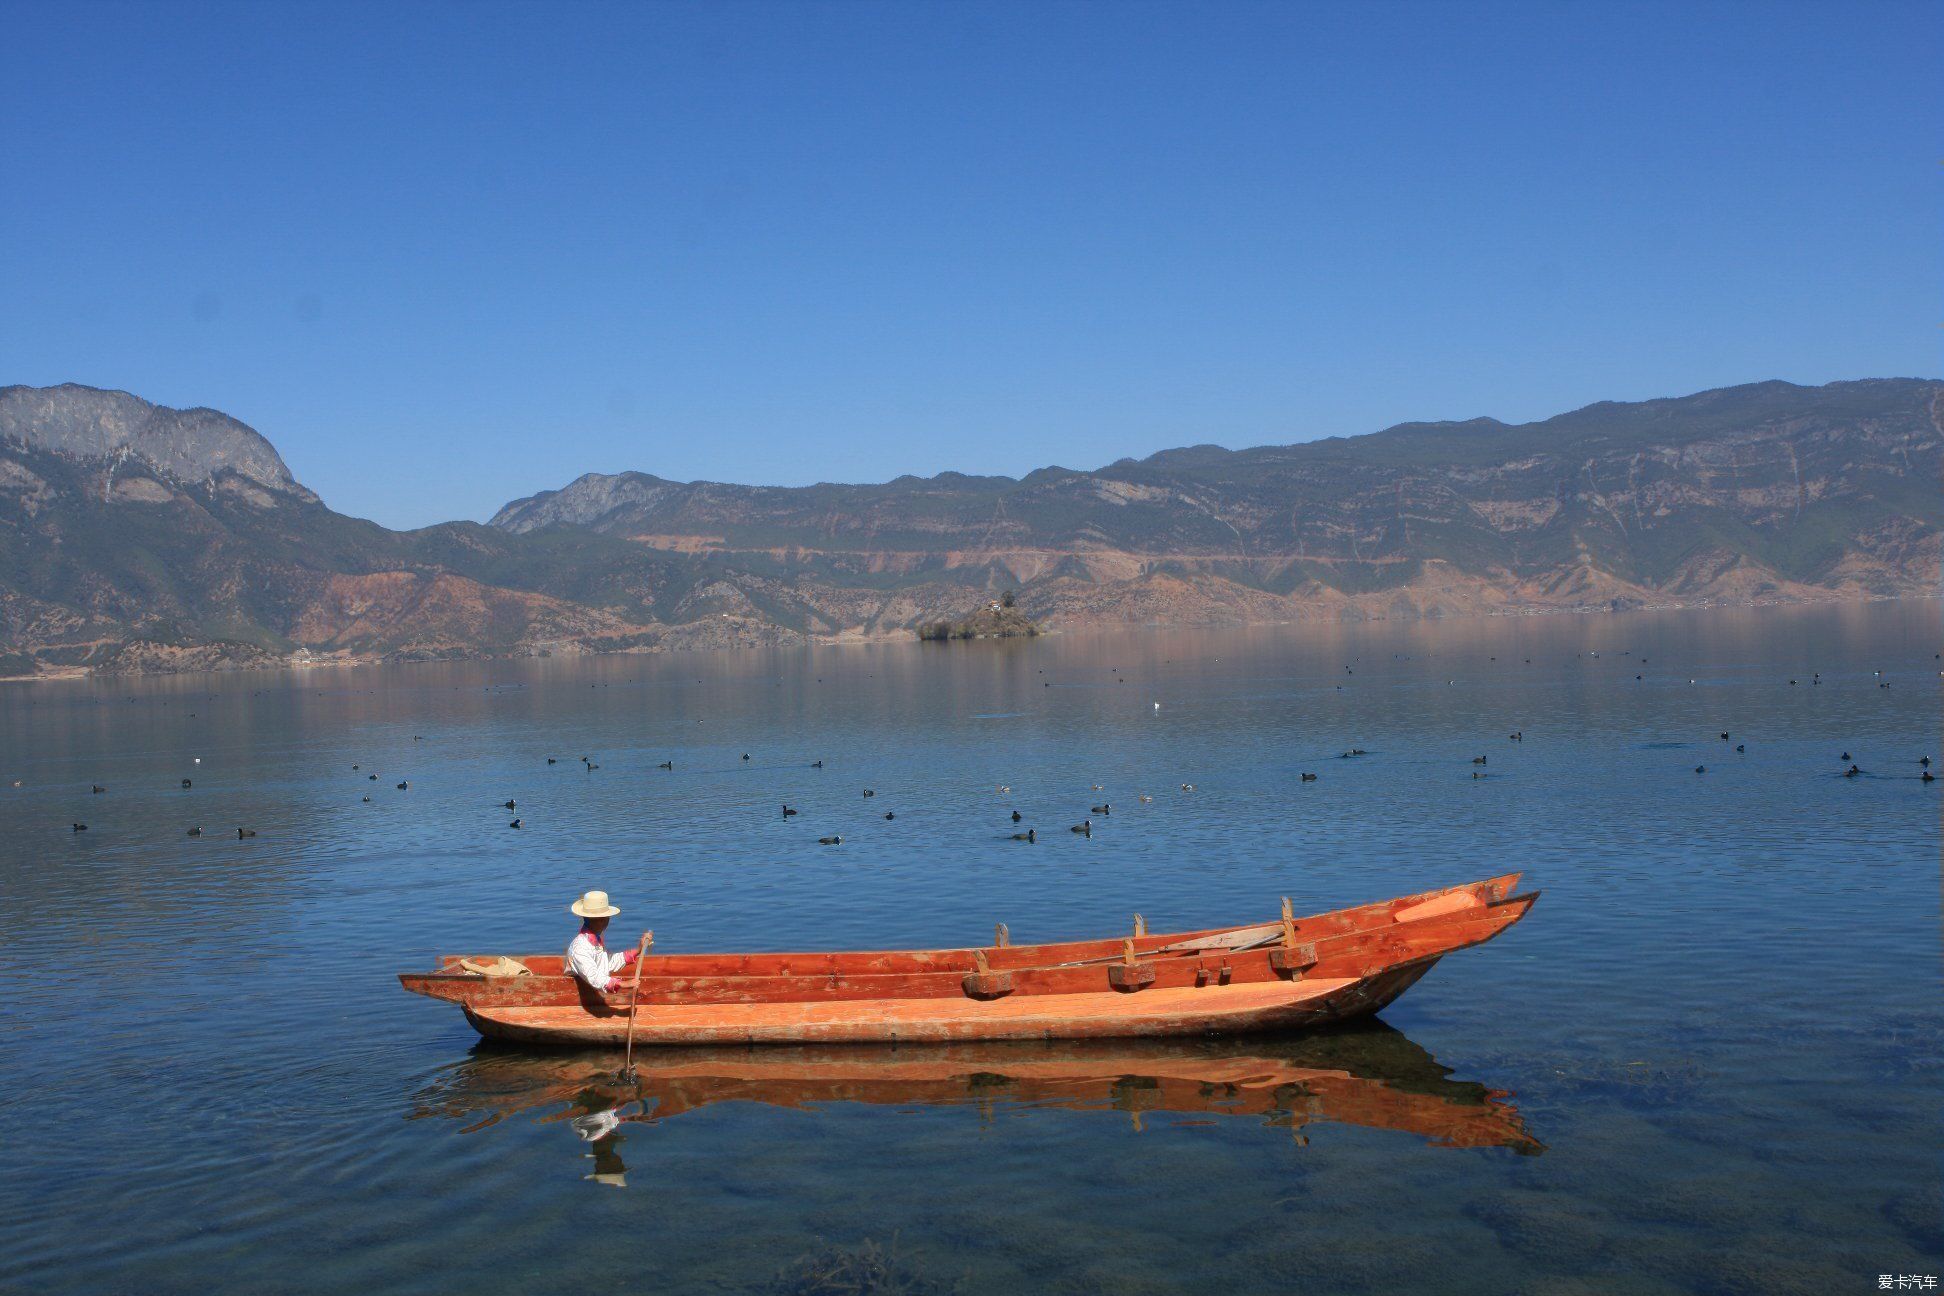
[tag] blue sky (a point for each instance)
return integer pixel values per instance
(444, 256)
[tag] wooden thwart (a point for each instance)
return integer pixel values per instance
(983, 983)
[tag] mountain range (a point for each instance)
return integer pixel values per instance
(135, 537)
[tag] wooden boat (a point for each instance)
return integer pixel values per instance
(1283, 975)
(1369, 1076)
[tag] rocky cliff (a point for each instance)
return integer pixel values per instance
(137, 441)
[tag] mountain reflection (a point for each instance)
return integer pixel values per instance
(1368, 1075)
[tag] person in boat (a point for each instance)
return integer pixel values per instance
(587, 954)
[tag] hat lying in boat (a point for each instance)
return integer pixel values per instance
(593, 905)
(499, 967)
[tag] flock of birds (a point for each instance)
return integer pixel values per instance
(1105, 809)
(1029, 834)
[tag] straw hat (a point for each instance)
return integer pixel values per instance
(593, 905)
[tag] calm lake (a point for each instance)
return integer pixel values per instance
(1711, 1060)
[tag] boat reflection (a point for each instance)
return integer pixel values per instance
(1368, 1075)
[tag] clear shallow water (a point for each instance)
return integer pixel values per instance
(1710, 1061)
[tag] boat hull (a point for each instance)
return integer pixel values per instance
(1237, 1009)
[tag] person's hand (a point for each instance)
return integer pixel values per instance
(628, 957)
(612, 987)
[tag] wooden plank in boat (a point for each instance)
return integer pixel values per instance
(1437, 907)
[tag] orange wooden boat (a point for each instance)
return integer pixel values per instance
(1370, 1076)
(1283, 975)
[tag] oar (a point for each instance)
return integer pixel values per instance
(634, 997)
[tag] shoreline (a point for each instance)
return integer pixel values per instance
(340, 662)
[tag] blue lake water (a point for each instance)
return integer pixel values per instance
(1710, 1061)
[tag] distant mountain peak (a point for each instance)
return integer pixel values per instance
(585, 501)
(186, 446)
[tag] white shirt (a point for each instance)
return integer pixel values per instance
(589, 961)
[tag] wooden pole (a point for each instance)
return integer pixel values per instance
(634, 1002)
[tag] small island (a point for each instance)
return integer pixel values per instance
(998, 619)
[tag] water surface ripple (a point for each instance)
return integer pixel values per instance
(1709, 1062)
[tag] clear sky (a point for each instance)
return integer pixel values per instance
(444, 256)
